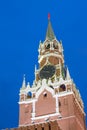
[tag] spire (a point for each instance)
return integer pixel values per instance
(50, 34)
(68, 75)
(24, 82)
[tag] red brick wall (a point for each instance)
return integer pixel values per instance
(67, 123)
(45, 105)
(66, 105)
(25, 114)
(79, 116)
(72, 117)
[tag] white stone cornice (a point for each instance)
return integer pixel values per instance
(64, 93)
(29, 89)
(50, 54)
(55, 85)
(45, 116)
(27, 101)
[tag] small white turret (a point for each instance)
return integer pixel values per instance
(24, 82)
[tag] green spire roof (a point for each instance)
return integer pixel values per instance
(50, 34)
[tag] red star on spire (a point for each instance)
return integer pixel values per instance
(48, 15)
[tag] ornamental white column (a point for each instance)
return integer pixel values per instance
(33, 109)
(57, 104)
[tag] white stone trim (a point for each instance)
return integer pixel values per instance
(33, 109)
(65, 93)
(46, 116)
(65, 118)
(27, 101)
(33, 115)
(48, 55)
(43, 87)
(57, 104)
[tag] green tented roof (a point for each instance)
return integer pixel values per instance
(50, 34)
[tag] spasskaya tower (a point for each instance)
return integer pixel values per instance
(53, 95)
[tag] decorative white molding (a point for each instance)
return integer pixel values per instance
(34, 107)
(65, 118)
(48, 55)
(27, 101)
(43, 87)
(57, 104)
(33, 115)
(64, 93)
(45, 116)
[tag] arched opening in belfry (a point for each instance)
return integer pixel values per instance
(29, 95)
(48, 46)
(55, 46)
(62, 88)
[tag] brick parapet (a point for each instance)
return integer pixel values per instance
(52, 125)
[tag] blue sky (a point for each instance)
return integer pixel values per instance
(22, 25)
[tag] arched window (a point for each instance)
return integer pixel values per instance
(48, 46)
(29, 95)
(55, 46)
(62, 88)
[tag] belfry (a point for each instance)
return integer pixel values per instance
(53, 95)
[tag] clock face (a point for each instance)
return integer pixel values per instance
(47, 72)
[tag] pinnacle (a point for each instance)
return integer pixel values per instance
(24, 82)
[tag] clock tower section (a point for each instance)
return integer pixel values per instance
(50, 57)
(53, 95)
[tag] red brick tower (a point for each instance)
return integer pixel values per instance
(53, 95)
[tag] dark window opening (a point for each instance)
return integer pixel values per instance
(55, 46)
(29, 95)
(48, 46)
(51, 86)
(49, 127)
(59, 103)
(42, 128)
(45, 94)
(62, 88)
